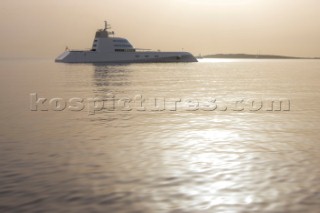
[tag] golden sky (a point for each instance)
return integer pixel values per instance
(43, 28)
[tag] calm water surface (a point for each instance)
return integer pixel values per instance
(223, 160)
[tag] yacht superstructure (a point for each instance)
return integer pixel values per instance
(109, 49)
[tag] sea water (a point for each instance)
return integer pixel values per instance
(220, 135)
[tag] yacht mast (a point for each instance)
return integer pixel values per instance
(105, 25)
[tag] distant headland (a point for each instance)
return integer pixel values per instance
(251, 56)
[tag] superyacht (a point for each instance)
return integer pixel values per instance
(109, 49)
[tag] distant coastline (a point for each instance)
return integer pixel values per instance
(250, 56)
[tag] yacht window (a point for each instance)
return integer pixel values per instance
(122, 45)
(120, 40)
(124, 50)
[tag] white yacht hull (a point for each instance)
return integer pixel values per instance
(124, 57)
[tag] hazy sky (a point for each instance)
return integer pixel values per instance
(45, 27)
